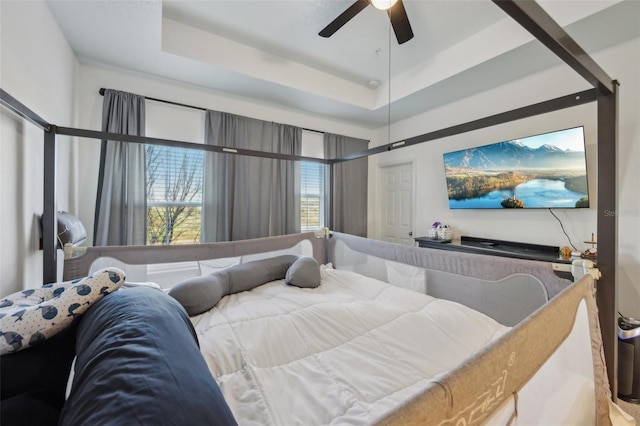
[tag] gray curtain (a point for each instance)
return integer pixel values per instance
(249, 197)
(121, 202)
(347, 211)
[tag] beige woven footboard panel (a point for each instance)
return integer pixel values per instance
(472, 392)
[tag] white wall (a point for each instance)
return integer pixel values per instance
(623, 63)
(534, 226)
(38, 68)
(170, 122)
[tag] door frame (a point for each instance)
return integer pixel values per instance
(380, 195)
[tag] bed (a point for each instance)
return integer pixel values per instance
(282, 345)
(359, 350)
(503, 372)
(347, 351)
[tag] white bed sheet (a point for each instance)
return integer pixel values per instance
(346, 352)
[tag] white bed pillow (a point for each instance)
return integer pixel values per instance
(214, 265)
(407, 276)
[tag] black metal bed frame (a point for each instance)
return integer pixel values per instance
(535, 20)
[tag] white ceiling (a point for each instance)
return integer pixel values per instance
(270, 51)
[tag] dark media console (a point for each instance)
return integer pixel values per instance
(497, 248)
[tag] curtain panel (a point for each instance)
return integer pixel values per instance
(249, 197)
(121, 202)
(347, 210)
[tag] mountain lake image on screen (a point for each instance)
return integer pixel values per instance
(543, 171)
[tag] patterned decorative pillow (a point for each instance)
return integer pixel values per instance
(31, 316)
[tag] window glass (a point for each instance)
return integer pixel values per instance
(174, 191)
(312, 182)
(174, 194)
(312, 196)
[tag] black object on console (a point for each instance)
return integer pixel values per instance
(629, 359)
(34, 381)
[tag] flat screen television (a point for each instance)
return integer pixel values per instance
(542, 171)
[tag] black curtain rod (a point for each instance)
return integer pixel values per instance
(101, 91)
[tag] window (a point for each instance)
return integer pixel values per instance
(174, 194)
(312, 196)
(175, 191)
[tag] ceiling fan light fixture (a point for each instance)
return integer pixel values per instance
(383, 4)
(395, 9)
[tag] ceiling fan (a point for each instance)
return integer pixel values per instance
(395, 9)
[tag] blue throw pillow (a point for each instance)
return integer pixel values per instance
(138, 362)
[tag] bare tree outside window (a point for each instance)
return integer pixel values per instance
(174, 195)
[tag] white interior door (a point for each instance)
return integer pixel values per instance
(397, 203)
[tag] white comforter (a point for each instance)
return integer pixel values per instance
(346, 352)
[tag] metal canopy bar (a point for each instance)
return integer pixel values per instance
(530, 15)
(92, 134)
(563, 102)
(607, 231)
(49, 220)
(20, 109)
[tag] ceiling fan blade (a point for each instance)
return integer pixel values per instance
(344, 17)
(400, 22)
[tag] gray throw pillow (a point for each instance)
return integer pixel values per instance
(304, 273)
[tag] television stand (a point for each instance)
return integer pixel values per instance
(500, 248)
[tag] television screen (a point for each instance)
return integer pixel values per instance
(542, 171)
